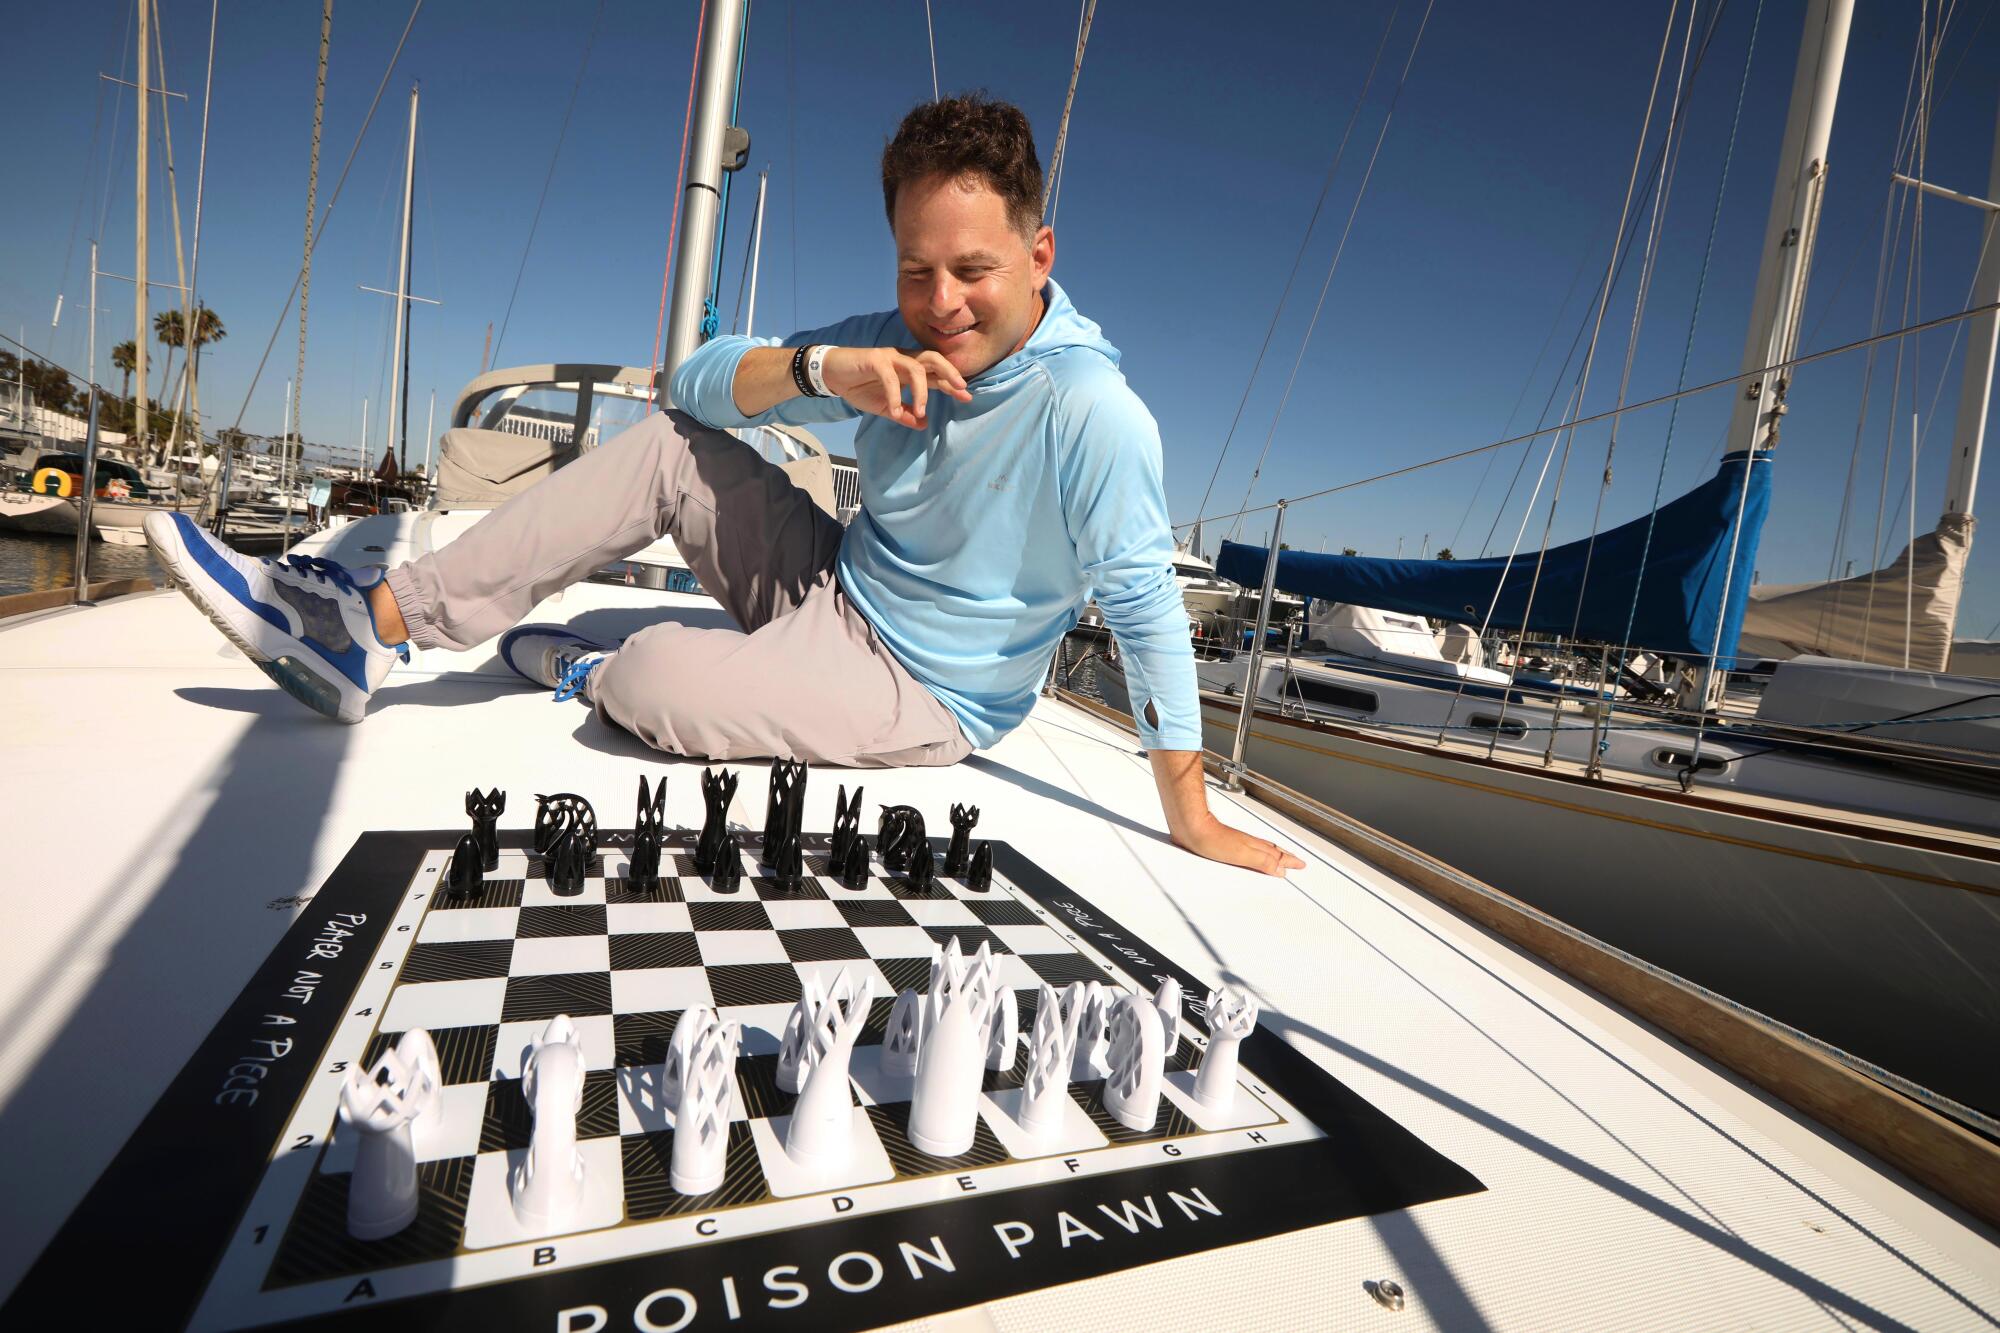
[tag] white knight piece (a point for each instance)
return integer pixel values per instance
(1231, 1016)
(1138, 1063)
(944, 1110)
(380, 1103)
(821, 1134)
(548, 1184)
(1051, 1047)
(700, 1156)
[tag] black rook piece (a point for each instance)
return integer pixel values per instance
(923, 866)
(569, 863)
(463, 877)
(854, 870)
(902, 829)
(846, 826)
(560, 815)
(648, 834)
(486, 809)
(963, 819)
(786, 805)
(980, 878)
(727, 873)
(717, 791)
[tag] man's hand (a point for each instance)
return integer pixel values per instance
(1194, 829)
(873, 379)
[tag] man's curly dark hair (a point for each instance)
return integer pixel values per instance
(969, 135)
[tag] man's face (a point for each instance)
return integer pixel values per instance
(966, 279)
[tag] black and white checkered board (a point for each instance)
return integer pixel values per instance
(894, 1235)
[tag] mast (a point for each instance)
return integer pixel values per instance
(399, 368)
(1779, 303)
(1975, 389)
(139, 225)
(722, 32)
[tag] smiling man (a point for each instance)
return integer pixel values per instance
(1008, 474)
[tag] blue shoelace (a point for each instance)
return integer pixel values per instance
(326, 571)
(574, 674)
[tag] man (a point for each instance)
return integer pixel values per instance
(1007, 474)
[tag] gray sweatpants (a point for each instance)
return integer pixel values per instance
(805, 678)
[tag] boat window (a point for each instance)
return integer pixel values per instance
(1509, 727)
(1328, 694)
(544, 411)
(1679, 760)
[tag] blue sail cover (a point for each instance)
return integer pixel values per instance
(1680, 588)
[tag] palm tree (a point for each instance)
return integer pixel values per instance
(168, 328)
(125, 356)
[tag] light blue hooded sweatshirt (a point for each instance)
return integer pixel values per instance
(982, 535)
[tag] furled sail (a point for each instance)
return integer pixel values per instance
(1862, 618)
(1585, 590)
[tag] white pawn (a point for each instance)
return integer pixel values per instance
(1231, 1016)
(419, 1055)
(821, 1134)
(548, 1184)
(904, 1039)
(1093, 1037)
(1138, 1064)
(1045, 1092)
(944, 1110)
(1003, 1030)
(1167, 1004)
(800, 1029)
(382, 1191)
(700, 1155)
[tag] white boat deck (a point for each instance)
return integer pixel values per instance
(171, 805)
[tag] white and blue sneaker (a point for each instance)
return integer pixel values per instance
(554, 657)
(304, 621)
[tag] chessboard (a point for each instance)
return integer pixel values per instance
(227, 1208)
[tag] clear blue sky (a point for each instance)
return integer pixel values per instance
(1199, 140)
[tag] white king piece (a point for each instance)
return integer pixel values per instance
(380, 1103)
(548, 1184)
(821, 1134)
(944, 1110)
(1138, 1063)
(1045, 1092)
(1231, 1016)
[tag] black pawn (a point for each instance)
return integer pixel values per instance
(923, 866)
(464, 876)
(846, 825)
(787, 862)
(963, 819)
(569, 863)
(486, 809)
(727, 873)
(648, 833)
(980, 877)
(854, 869)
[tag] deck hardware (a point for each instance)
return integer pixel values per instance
(1388, 1293)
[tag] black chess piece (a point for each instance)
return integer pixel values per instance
(854, 869)
(963, 819)
(785, 805)
(486, 809)
(846, 826)
(727, 873)
(464, 876)
(923, 865)
(648, 836)
(980, 877)
(569, 864)
(562, 814)
(787, 861)
(902, 829)
(717, 791)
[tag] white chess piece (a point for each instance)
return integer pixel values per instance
(1167, 1004)
(1093, 1038)
(1051, 1047)
(948, 967)
(1002, 1030)
(905, 1036)
(1231, 1016)
(419, 1055)
(700, 1155)
(821, 1134)
(1138, 1064)
(799, 1034)
(548, 1184)
(382, 1191)
(944, 1110)
(680, 1050)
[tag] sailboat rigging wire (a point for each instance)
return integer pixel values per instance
(1810, 358)
(931, 33)
(1361, 194)
(792, 151)
(1311, 223)
(674, 220)
(82, 198)
(326, 217)
(192, 320)
(1056, 159)
(117, 124)
(549, 178)
(711, 312)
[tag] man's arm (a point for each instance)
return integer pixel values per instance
(1185, 800)
(871, 379)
